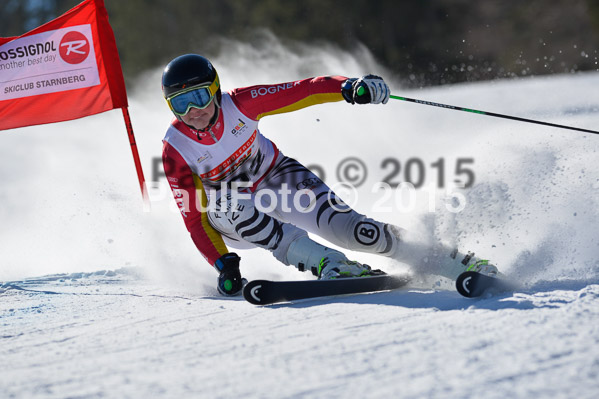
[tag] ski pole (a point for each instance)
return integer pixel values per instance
(474, 111)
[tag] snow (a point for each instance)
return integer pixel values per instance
(101, 299)
(124, 336)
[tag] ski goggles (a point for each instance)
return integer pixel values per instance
(193, 97)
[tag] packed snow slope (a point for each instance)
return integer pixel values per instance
(153, 326)
(115, 335)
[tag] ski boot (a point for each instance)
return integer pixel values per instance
(341, 268)
(483, 266)
(325, 263)
(472, 264)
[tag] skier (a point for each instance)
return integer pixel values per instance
(235, 188)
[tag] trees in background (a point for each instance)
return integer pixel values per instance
(423, 42)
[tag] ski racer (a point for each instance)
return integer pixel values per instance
(235, 188)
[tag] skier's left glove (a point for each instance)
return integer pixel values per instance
(230, 282)
(369, 89)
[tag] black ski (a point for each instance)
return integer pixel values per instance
(265, 292)
(473, 284)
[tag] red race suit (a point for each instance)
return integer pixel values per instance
(232, 149)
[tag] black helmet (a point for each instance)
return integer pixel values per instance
(190, 70)
(185, 71)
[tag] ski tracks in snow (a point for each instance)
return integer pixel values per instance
(112, 334)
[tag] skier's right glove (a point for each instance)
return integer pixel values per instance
(369, 89)
(230, 282)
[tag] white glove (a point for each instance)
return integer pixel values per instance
(369, 89)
